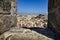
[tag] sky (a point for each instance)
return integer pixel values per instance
(32, 6)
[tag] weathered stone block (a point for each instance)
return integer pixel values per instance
(7, 15)
(23, 34)
(6, 22)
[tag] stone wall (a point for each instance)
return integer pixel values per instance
(54, 14)
(7, 15)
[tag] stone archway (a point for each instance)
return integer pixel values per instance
(54, 15)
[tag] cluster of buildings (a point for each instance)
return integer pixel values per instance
(31, 21)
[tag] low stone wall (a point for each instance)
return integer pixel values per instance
(22, 34)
